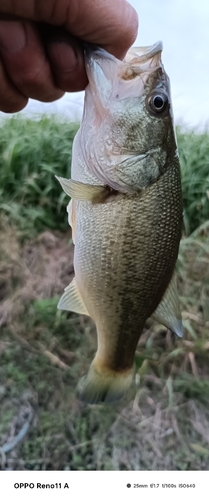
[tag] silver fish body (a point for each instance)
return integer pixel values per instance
(125, 212)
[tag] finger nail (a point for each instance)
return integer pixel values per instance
(12, 35)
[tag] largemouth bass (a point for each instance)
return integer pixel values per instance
(125, 212)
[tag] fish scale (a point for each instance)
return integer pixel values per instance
(126, 214)
(123, 275)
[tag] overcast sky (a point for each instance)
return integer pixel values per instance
(183, 26)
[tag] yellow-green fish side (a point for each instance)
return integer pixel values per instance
(133, 244)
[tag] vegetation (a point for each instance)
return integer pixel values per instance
(194, 158)
(162, 423)
(31, 153)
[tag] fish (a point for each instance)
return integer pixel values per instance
(125, 212)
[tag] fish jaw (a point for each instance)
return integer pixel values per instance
(139, 54)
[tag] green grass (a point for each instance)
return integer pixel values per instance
(32, 152)
(194, 160)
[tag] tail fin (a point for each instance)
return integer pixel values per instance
(104, 385)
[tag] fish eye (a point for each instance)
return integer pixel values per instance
(158, 102)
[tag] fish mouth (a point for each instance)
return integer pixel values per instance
(143, 54)
(139, 54)
(135, 55)
(137, 61)
(140, 60)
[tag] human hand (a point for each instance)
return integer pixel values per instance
(41, 53)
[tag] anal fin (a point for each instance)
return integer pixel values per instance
(71, 300)
(168, 311)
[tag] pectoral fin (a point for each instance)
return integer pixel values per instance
(72, 301)
(168, 311)
(83, 192)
